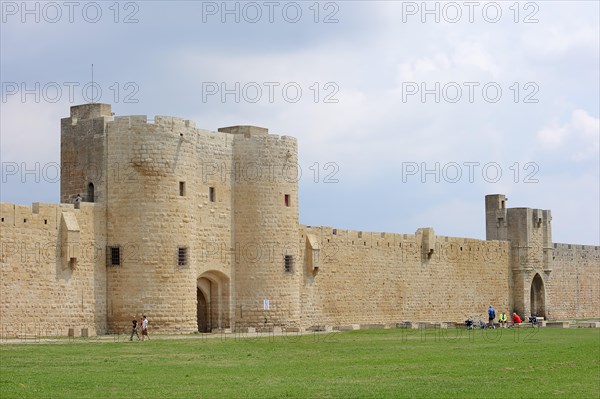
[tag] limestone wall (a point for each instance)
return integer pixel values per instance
(380, 277)
(206, 228)
(266, 230)
(160, 205)
(83, 153)
(573, 288)
(52, 269)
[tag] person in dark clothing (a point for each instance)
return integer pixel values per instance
(134, 330)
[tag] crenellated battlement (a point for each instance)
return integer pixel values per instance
(87, 113)
(171, 122)
(574, 252)
(91, 111)
(40, 215)
(424, 241)
(185, 127)
(273, 139)
(563, 247)
(538, 216)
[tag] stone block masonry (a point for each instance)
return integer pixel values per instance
(200, 231)
(52, 269)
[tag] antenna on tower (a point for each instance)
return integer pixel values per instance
(92, 83)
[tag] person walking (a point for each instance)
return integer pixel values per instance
(491, 316)
(134, 330)
(145, 328)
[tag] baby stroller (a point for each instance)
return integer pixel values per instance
(469, 324)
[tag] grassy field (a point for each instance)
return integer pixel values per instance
(509, 363)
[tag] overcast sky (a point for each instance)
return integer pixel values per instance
(407, 114)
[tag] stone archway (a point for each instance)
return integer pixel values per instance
(212, 292)
(538, 296)
(202, 311)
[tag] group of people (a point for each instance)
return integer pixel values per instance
(502, 319)
(137, 325)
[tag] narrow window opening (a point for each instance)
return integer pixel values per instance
(502, 204)
(45, 221)
(289, 263)
(287, 200)
(182, 256)
(211, 194)
(72, 263)
(24, 220)
(334, 232)
(90, 192)
(181, 188)
(3, 219)
(113, 256)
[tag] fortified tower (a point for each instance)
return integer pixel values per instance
(530, 235)
(83, 153)
(201, 226)
(266, 270)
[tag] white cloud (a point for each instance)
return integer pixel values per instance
(560, 40)
(578, 139)
(371, 131)
(552, 137)
(31, 131)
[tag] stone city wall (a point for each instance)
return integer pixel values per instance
(205, 229)
(573, 289)
(52, 270)
(365, 277)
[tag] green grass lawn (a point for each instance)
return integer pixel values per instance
(509, 363)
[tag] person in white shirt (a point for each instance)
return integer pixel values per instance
(145, 328)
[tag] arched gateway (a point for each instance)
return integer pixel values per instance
(538, 296)
(213, 301)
